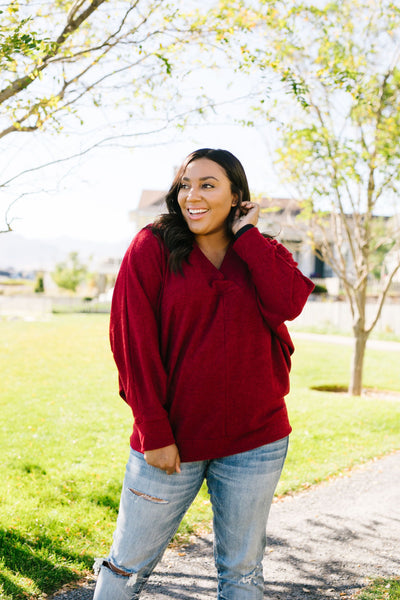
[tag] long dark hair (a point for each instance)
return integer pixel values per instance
(172, 227)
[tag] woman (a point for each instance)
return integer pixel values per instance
(197, 332)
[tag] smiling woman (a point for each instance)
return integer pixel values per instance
(198, 335)
(228, 183)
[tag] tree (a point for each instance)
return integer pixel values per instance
(126, 58)
(69, 274)
(39, 284)
(339, 142)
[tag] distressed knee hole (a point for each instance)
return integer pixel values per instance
(131, 577)
(101, 562)
(112, 567)
(148, 498)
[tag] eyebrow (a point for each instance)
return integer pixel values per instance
(201, 178)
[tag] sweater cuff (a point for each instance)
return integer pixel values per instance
(242, 230)
(155, 434)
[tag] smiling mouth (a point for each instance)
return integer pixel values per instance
(197, 211)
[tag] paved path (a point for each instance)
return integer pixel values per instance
(346, 340)
(323, 543)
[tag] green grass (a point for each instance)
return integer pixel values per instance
(381, 589)
(7, 281)
(64, 436)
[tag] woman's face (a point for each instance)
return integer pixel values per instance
(205, 198)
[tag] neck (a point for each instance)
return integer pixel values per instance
(213, 247)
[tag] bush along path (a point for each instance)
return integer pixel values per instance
(324, 543)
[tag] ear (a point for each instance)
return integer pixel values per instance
(235, 199)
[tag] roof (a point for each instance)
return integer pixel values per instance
(151, 198)
(282, 204)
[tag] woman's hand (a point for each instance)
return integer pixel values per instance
(167, 459)
(247, 214)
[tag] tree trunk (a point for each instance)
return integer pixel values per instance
(360, 342)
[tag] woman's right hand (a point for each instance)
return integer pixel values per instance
(167, 459)
(247, 214)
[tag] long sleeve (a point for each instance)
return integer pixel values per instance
(134, 338)
(281, 288)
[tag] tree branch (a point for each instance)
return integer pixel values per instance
(105, 142)
(72, 25)
(382, 297)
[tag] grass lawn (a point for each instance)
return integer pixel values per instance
(64, 435)
(381, 589)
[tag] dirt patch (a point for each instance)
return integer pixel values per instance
(339, 389)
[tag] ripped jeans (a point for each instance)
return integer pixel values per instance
(153, 504)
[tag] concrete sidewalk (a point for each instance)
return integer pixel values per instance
(345, 340)
(322, 544)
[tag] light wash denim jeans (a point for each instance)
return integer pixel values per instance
(153, 504)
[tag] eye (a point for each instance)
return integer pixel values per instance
(184, 186)
(208, 185)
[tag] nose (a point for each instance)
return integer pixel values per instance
(192, 193)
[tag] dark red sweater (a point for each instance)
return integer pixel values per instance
(204, 357)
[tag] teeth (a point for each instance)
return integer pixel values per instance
(197, 211)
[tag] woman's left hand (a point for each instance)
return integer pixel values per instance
(167, 459)
(247, 214)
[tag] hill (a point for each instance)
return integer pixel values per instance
(21, 253)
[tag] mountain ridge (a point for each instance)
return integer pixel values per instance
(22, 253)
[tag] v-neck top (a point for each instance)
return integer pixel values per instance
(196, 247)
(204, 355)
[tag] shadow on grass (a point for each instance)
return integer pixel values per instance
(109, 499)
(40, 560)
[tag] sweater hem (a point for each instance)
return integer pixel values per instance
(192, 450)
